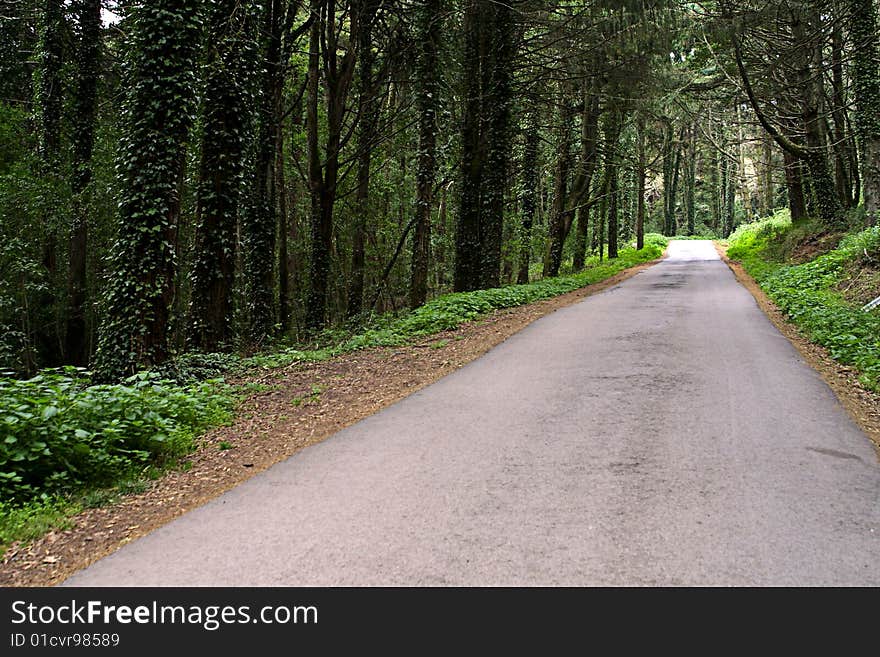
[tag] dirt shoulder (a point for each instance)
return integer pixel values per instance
(862, 404)
(300, 405)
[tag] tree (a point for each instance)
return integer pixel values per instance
(490, 45)
(325, 47)
(158, 116)
(866, 84)
(428, 102)
(260, 220)
(805, 29)
(225, 121)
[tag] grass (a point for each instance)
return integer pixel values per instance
(27, 522)
(68, 444)
(809, 293)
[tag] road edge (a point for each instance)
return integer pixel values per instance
(862, 405)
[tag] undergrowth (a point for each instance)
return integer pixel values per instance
(62, 438)
(808, 293)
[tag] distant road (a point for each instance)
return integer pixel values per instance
(660, 433)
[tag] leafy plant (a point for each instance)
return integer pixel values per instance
(61, 433)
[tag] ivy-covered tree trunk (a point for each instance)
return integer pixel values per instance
(428, 75)
(88, 71)
(260, 221)
(157, 121)
(367, 122)
(225, 120)
(477, 32)
(812, 114)
(499, 111)
(530, 194)
(16, 39)
(843, 178)
(866, 83)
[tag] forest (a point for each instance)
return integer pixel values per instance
(188, 183)
(215, 176)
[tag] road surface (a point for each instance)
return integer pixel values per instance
(660, 433)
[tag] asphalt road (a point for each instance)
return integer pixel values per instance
(660, 433)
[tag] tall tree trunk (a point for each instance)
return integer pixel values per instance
(730, 200)
(668, 159)
(560, 221)
(477, 32)
(671, 169)
(794, 179)
(842, 158)
(641, 167)
(672, 227)
(690, 180)
(768, 202)
(429, 89)
(224, 123)
(499, 113)
(50, 100)
(157, 123)
(530, 193)
(260, 225)
(321, 235)
(866, 83)
(612, 137)
(581, 236)
(724, 177)
(50, 89)
(88, 70)
(368, 111)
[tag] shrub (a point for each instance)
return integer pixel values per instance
(60, 433)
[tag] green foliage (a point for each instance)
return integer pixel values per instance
(807, 292)
(60, 433)
(32, 203)
(158, 114)
(193, 367)
(749, 241)
(31, 520)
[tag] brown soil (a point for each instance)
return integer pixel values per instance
(814, 245)
(862, 285)
(862, 404)
(301, 405)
